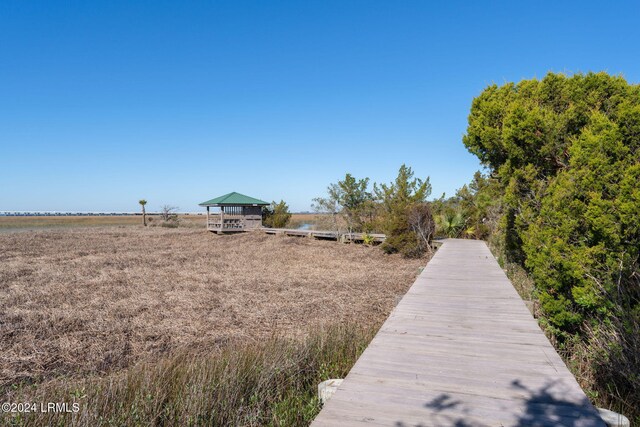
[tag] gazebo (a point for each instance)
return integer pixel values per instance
(237, 212)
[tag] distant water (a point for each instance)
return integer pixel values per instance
(305, 226)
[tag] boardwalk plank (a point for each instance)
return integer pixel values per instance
(461, 349)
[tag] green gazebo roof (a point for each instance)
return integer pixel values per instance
(234, 199)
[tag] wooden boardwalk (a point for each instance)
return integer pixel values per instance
(323, 234)
(460, 349)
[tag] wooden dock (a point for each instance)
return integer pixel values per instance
(329, 235)
(460, 349)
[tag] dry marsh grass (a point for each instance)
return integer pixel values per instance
(87, 302)
(8, 223)
(309, 219)
(267, 383)
(11, 223)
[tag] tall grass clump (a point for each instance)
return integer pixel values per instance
(261, 383)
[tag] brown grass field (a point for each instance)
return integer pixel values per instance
(80, 302)
(10, 223)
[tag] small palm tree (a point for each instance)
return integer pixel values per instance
(144, 213)
(452, 224)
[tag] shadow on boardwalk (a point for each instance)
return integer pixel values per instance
(542, 407)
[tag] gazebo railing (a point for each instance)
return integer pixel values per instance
(223, 222)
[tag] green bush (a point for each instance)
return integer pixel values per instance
(451, 224)
(399, 210)
(276, 215)
(565, 152)
(398, 201)
(472, 212)
(584, 242)
(350, 200)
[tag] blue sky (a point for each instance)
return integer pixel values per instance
(104, 103)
